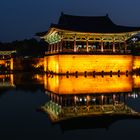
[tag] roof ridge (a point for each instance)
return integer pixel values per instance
(96, 24)
(63, 14)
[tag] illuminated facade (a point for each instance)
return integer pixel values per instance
(79, 43)
(6, 60)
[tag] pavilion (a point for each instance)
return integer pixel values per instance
(6, 60)
(83, 38)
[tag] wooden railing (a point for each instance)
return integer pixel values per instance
(58, 113)
(105, 51)
(69, 110)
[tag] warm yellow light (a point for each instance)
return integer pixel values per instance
(89, 63)
(39, 62)
(136, 81)
(45, 64)
(53, 63)
(11, 64)
(2, 62)
(136, 62)
(88, 85)
(12, 79)
(45, 80)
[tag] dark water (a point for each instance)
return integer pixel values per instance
(22, 94)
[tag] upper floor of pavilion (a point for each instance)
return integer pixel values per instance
(87, 30)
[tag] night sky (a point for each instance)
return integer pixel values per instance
(21, 19)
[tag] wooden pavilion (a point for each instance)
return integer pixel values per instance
(91, 37)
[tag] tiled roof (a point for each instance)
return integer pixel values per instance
(91, 24)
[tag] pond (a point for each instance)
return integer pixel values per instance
(25, 112)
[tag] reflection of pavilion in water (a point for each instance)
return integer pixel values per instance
(24, 81)
(6, 80)
(88, 97)
(83, 97)
(6, 60)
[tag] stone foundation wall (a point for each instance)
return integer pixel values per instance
(136, 62)
(89, 63)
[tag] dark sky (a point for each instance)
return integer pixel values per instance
(20, 19)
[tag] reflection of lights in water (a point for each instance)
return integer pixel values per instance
(114, 96)
(57, 68)
(81, 84)
(84, 99)
(134, 95)
(75, 98)
(88, 97)
(94, 99)
(102, 97)
(7, 80)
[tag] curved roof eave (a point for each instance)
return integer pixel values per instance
(88, 32)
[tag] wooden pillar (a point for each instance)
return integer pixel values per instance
(61, 45)
(114, 98)
(119, 45)
(102, 46)
(45, 64)
(49, 48)
(51, 45)
(57, 46)
(114, 46)
(51, 96)
(56, 99)
(11, 64)
(75, 45)
(61, 100)
(12, 79)
(88, 100)
(102, 99)
(75, 100)
(125, 46)
(87, 45)
(54, 47)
